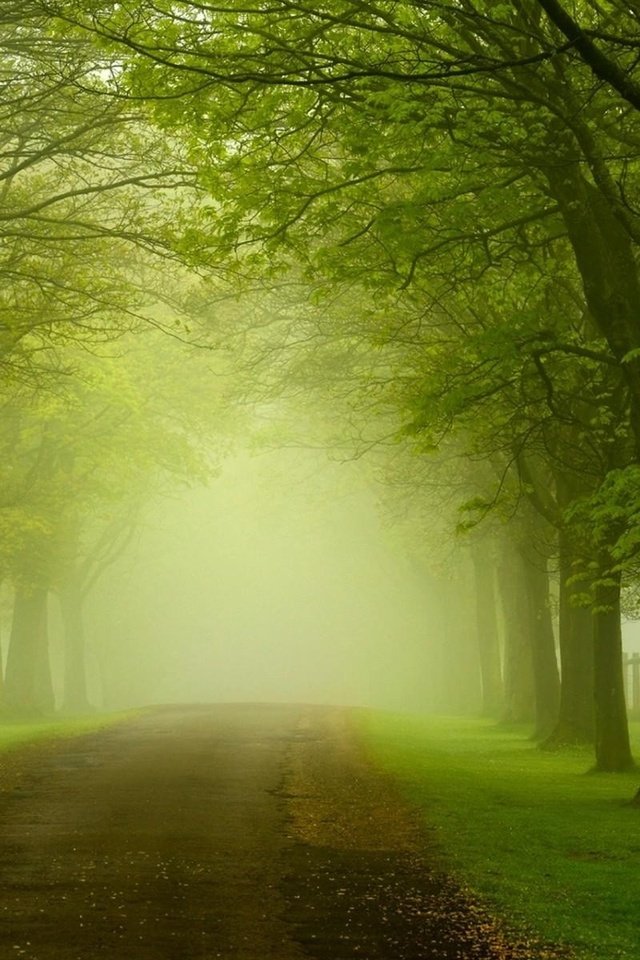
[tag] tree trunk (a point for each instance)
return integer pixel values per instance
(518, 661)
(487, 626)
(28, 684)
(75, 699)
(461, 680)
(1, 676)
(613, 752)
(608, 269)
(575, 717)
(546, 678)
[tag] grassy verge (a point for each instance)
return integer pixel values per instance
(18, 734)
(551, 848)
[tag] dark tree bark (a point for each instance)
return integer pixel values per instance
(546, 677)
(487, 626)
(28, 684)
(575, 723)
(519, 696)
(613, 751)
(75, 698)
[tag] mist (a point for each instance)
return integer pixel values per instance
(319, 479)
(276, 582)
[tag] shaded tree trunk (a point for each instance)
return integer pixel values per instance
(487, 626)
(461, 671)
(519, 698)
(576, 628)
(546, 677)
(75, 699)
(613, 752)
(28, 684)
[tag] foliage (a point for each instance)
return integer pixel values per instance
(462, 177)
(610, 520)
(82, 457)
(88, 199)
(439, 164)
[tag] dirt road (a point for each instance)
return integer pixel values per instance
(244, 832)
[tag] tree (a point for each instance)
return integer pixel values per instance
(87, 455)
(488, 640)
(321, 104)
(88, 195)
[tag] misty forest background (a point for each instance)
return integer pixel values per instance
(321, 356)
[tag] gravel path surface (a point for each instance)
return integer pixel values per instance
(231, 831)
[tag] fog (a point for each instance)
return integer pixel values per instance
(277, 582)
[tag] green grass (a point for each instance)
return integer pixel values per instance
(550, 848)
(18, 734)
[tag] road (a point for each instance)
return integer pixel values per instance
(230, 831)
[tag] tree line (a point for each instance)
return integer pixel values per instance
(93, 312)
(451, 189)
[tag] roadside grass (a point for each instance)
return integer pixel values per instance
(15, 734)
(550, 848)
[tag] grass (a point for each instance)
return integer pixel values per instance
(552, 849)
(19, 734)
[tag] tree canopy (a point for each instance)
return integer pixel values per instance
(426, 214)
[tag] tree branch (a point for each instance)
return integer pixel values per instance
(602, 66)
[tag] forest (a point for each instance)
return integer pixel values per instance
(421, 237)
(379, 255)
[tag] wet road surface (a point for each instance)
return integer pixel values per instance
(228, 831)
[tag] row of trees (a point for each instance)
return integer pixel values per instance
(469, 173)
(439, 204)
(82, 460)
(97, 417)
